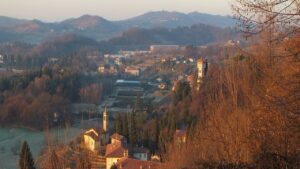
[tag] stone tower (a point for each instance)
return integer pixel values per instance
(202, 68)
(105, 120)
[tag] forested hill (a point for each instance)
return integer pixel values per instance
(196, 35)
(134, 39)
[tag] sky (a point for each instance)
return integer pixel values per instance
(57, 10)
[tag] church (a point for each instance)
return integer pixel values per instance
(95, 137)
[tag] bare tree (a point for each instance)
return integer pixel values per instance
(255, 16)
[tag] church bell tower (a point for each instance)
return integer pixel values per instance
(105, 120)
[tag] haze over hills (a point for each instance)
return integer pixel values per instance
(98, 28)
(133, 39)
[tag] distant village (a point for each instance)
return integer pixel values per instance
(147, 75)
(118, 153)
(113, 148)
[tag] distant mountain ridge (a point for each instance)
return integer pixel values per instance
(134, 39)
(99, 28)
(174, 19)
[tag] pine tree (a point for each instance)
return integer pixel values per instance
(26, 160)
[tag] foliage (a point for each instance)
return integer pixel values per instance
(26, 160)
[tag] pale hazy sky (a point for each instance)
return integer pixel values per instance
(57, 10)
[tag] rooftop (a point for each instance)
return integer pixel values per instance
(114, 151)
(129, 163)
(117, 136)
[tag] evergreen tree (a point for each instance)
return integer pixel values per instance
(133, 130)
(138, 104)
(125, 126)
(156, 134)
(119, 124)
(26, 160)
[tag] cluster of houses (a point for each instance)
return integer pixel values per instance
(117, 151)
(115, 65)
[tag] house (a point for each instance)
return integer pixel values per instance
(180, 137)
(116, 150)
(101, 69)
(141, 153)
(118, 139)
(1, 59)
(91, 139)
(132, 71)
(130, 163)
(162, 86)
(155, 157)
(114, 155)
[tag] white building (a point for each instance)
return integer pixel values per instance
(164, 48)
(132, 71)
(202, 68)
(141, 153)
(1, 58)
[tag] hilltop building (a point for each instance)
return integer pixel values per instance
(202, 66)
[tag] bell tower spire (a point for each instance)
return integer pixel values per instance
(105, 120)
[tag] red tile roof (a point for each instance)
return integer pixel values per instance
(117, 136)
(118, 152)
(129, 163)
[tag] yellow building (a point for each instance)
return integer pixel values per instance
(91, 140)
(105, 120)
(202, 68)
(116, 150)
(93, 137)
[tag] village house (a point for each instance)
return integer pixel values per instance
(180, 137)
(130, 163)
(132, 71)
(91, 140)
(141, 153)
(116, 150)
(119, 149)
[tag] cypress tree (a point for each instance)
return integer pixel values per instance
(125, 126)
(26, 160)
(133, 130)
(119, 125)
